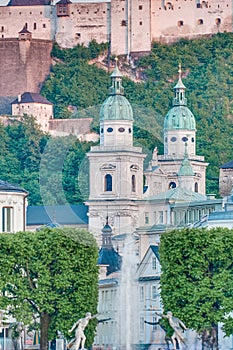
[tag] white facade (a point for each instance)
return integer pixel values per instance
(34, 105)
(12, 208)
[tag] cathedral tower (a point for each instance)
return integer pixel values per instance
(180, 141)
(116, 166)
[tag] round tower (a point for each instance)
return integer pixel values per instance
(179, 125)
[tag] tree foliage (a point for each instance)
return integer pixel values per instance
(197, 277)
(52, 275)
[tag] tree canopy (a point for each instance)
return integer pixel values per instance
(50, 275)
(197, 277)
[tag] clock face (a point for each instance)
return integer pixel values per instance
(173, 139)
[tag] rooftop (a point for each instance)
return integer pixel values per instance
(31, 97)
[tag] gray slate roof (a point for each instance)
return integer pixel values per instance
(6, 186)
(228, 165)
(110, 257)
(28, 2)
(61, 214)
(30, 97)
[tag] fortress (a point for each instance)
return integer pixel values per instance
(129, 25)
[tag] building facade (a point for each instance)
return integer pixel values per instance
(129, 26)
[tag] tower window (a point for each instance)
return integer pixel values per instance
(218, 21)
(130, 130)
(192, 139)
(123, 23)
(34, 26)
(140, 23)
(200, 21)
(180, 23)
(121, 129)
(108, 183)
(173, 139)
(185, 139)
(109, 129)
(196, 187)
(133, 183)
(140, 7)
(101, 130)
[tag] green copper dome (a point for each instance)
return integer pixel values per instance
(116, 106)
(179, 116)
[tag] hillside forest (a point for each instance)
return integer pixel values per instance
(55, 170)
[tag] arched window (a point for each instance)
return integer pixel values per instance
(218, 21)
(196, 187)
(133, 183)
(108, 182)
(200, 21)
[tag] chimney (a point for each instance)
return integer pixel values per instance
(19, 98)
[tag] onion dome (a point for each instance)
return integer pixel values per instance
(179, 116)
(116, 106)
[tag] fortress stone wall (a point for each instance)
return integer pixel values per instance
(23, 65)
(129, 26)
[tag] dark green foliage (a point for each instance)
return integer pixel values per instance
(197, 276)
(51, 272)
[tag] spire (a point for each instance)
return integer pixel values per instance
(116, 77)
(186, 167)
(179, 99)
(107, 235)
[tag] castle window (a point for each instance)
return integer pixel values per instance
(40, 12)
(204, 4)
(218, 21)
(123, 23)
(2, 29)
(196, 187)
(180, 23)
(7, 219)
(34, 26)
(78, 35)
(169, 6)
(44, 25)
(108, 183)
(2, 36)
(200, 21)
(140, 7)
(140, 23)
(133, 183)
(26, 25)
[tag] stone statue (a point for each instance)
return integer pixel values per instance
(80, 326)
(178, 326)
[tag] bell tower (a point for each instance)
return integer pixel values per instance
(116, 166)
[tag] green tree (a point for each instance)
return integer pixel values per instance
(51, 275)
(197, 279)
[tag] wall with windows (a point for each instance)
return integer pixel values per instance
(171, 20)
